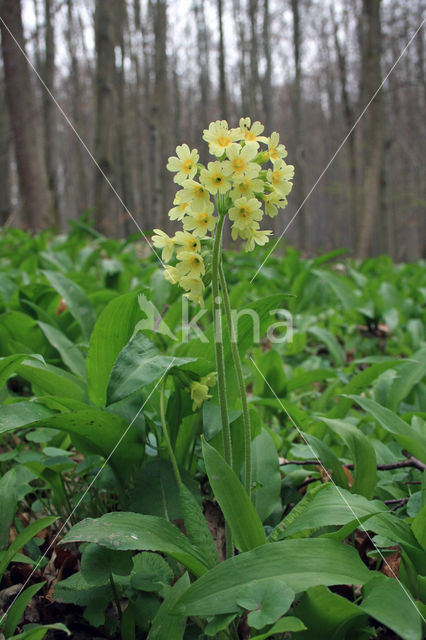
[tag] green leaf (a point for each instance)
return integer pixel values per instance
(39, 632)
(196, 526)
(51, 380)
(301, 563)
(239, 512)
(94, 431)
(124, 530)
(70, 354)
(405, 435)
(8, 366)
(328, 459)
(9, 502)
(22, 538)
(410, 374)
(150, 572)
(342, 288)
(165, 625)
(137, 365)
(331, 343)
(363, 455)
(387, 600)
(266, 475)
(16, 611)
(77, 301)
(289, 623)
(111, 333)
(97, 564)
(332, 506)
(329, 616)
(267, 600)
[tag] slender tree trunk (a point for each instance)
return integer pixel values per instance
(25, 120)
(5, 199)
(105, 201)
(254, 59)
(242, 60)
(299, 180)
(49, 108)
(268, 103)
(373, 127)
(223, 101)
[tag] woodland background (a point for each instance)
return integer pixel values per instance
(138, 77)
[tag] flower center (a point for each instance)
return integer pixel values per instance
(243, 212)
(203, 219)
(187, 166)
(218, 179)
(199, 192)
(238, 164)
(223, 141)
(276, 177)
(249, 136)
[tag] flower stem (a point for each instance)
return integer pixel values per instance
(218, 343)
(220, 359)
(166, 434)
(240, 378)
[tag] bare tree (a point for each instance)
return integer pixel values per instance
(223, 100)
(105, 202)
(5, 173)
(25, 119)
(373, 140)
(49, 108)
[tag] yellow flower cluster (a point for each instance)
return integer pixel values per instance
(236, 176)
(200, 390)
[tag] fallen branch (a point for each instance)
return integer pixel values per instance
(410, 462)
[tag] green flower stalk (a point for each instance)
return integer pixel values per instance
(244, 183)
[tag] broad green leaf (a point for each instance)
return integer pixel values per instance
(358, 383)
(266, 475)
(51, 380)
(333, 506)
(77, 301)
(16, 611)
(342, 288)
(70, 354)
(363, 455)
(196, 526)
(307, 377)
(39, 632)
(8, 502)
(329, 616)
(150, 572)
(9, 364)
(405, 435)
(301, 563)
(239, 512)
(328, 459)
(137, 365)
(289, 623)
(22, 538)
(388, 601)
(92, 431)
(97, 563)
(124, 530)
(111, 333)
(165, 625)
(331, 343)
(409, 375)
(418, 527)
(266, 599)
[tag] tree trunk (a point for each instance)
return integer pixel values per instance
(267, 78)
(49, 108)
(371, 78)
(25, 120)
(5, 199)
(254, 61)
(223, 102)
(106, 208)
(299, 181)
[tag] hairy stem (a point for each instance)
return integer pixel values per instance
(240, 378)
(166, 434)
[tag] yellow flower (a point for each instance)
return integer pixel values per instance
(200, 223)
(195, 193)
(244, 212)
(219, 137)
(256, 236)
(239, 161)
(190, 264)
(210, 379)
(251, 132)
(244, 186)
(280, 175)
(187, 241)
(199, 393)
(171, 274)
(162, 241)
(185, 164)
(194, 288)
(276, 150)
(214, 179)
(177, 212)
(273, 202)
